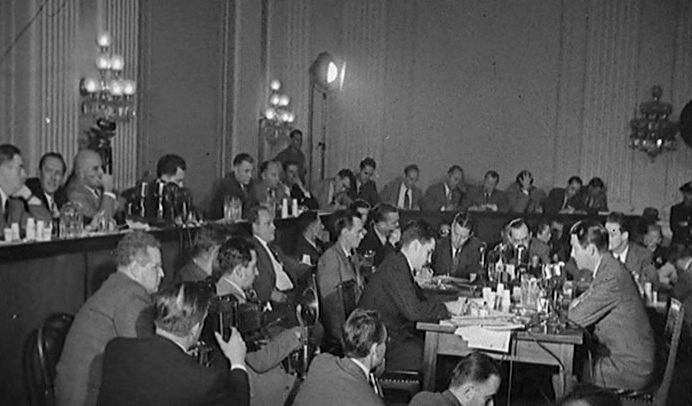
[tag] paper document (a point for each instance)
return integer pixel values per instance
(483, 339)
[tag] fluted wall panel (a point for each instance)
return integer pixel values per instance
(123, 24)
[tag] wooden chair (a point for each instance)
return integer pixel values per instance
(42, 351)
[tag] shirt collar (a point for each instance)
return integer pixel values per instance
(238, 289)
(598, 264)
(3, 197)
(382, 238)
(361, 366)
(410, 267)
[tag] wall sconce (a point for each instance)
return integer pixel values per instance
(652, 131)
(278, 114)
(109, 96)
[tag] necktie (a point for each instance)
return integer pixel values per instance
(407, 199)
(374, 384)
(356, 271)
(487, 197)
(455, 260)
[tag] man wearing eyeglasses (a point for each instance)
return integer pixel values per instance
(120, 308)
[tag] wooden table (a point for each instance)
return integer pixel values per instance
(524, 347)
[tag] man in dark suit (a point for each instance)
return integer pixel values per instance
(366, 188)
(120, 308)
(402, 192)
(458, 254)
(159, 371)
(637, 259)
(48, 186)
(487, 197)
(91, 187)
(446, 195)
(384, 233)
(565, 200)
(236, 184)
(309, 247)
(349, 380)
(474, 382)
(681, 217)
(296, 187)
(624, 346)
(17, 201)
(393, 292)
(333, 193)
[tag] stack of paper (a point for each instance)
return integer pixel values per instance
(484, 339)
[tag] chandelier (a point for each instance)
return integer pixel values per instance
(278, 115)
(109, 96)
(652, 131)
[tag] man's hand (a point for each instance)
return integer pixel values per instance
(107, 183)
(278, 296)
(667, 275)
(395, 236)
(234, 349)
(525, 181)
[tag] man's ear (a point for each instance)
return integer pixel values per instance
(467, 391)
(626, 235)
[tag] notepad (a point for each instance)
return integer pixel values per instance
(484, 339)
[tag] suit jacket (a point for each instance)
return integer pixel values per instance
(266, 279)
(520, 202)
(117, 309)
(260, 192)
(156, 371)
(321, 191)
(596, 203)
(368, 192)
(624, 352)
(401, 303)
(445, 398)
(390, 194)
(556, 199)
(60, 196)
(469, 258)
(435, 198)
(229, 186)
(680, 223)
(639, 261)
(333, 268)
(91, 204)
(336, 382)
(309, 201)
(18, 211)
(476, 197)
(190, 272)
(304, 247)
(371, 242)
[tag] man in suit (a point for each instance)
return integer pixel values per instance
(17, 201)
(366, 188)
(518, 235)
(293, 153)
(309, 245)
(91, 187)
(48, 186)
(624, 346)
(523, 196)
(401, 303)
(349, 380)
(403, 193)
(446, 195)
(636, 259)
(171, 169)
(120, 308)
(237, 183)
(203, 254)
(335, 270)
(159, 370)
(296, 187)
(458, 254)
(270, 189)
(681, 217)
(384, 233)
(565, 200)
(474, 382)
(333, 194)
(487, 197)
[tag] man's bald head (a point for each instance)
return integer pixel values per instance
(88, 167)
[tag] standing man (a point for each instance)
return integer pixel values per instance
(293, 153)
(681, 217)
(446, 195)
(624, 353)
(403, 192)
(120, 308)
(91, 187)
(14, 194)
(384, 234)
(366, 188)
(487, 197)
(48, 186)
(237, 183)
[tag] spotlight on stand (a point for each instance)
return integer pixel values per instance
(324, 73)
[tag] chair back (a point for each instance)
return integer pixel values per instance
(671, 339)
(42, 351)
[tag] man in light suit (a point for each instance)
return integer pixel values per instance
(487, 197)
(349, 380)
(637, 259)
(402, 192)
(237, 183)
(159, 371)
(333, 193)
(623, 347)
(120, 308)
(91, 187)
(458, 254)
(446, 195)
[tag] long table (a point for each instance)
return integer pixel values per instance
(524, 347)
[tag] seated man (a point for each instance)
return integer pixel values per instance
(362, 208)
(159, 371)
(48, 186)
(401, 303)
(365, 186)
(236, 184)
(487, 197)
(540, 243)
(334, 270)
(15, 196)
(295, 185)
(623, 351)
(446, 195)
(458, 254)
(402, 192)
(270, 189)
(523, 196)
(637, 259)
(333, 194)
(91, 187)
(171, 169)
(517, 235)
(474, 382)
(310, 244)
(653, 238)
(565, 200)
(349, 380)
(120, 308)
(270, 384)
(208, 240)
(384, 233)
(595, 199)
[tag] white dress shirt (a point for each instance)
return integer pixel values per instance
(283, 282)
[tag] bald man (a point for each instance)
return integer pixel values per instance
(91, 187)
(270, 183)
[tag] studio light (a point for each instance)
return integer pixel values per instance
(324, 72)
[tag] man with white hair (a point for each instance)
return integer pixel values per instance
(91, 187)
